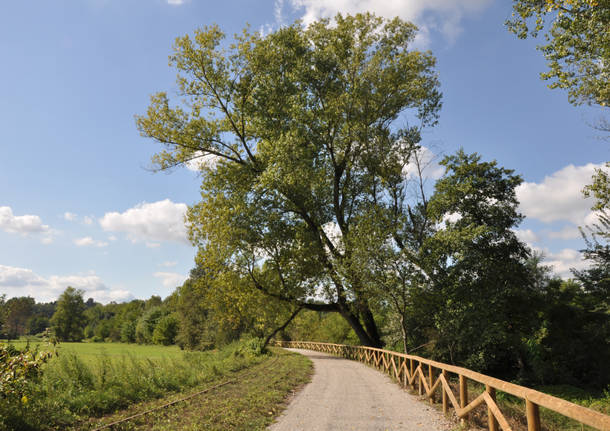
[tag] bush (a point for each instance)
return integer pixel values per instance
(18, 372)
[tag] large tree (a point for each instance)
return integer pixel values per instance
(68, 321)
(18, 311)
(577, 46)
(299, 133)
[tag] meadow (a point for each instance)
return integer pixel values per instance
(92, 352)
(84, 381)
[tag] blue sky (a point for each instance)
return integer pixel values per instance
(78, 206)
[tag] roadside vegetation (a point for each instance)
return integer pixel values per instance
(71, 388)
(257, 396)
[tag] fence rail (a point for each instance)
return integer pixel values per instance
(431, 377)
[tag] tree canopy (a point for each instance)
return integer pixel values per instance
(301, 135)
(68, 321)
(577, 46)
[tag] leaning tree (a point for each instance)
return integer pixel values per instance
(300, 136)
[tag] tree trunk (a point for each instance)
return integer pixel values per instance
(403, 329)
(292, 316)
(366, 338)
(371, 326)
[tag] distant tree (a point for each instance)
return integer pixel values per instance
(69, 319)
(154, 301)
(128, 331)
(578, 44)
(166, 330)
(18, 312)
(193, 313)
(37, 324)
(146, 324)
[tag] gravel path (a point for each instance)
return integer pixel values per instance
(347, 395)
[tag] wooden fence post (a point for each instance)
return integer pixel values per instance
(464, 397)
(412, 379)
(492, 423)
(420, 386)
(533, 416)
(431, 379)
(444, 394)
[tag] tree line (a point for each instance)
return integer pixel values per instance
(71, 318)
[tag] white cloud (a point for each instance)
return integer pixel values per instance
(149, 222)
(203, 160)
(88, 241)
(69, 216)
(88, 220)
(24, 224)
(564, 260)
(430, 15)
(16, 281)
(559, 196)
(527, 235)
(175, 2)
(169, 263)
(427, 163)
(170, 280)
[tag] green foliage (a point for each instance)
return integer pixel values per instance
(69, 320)
(19, 370)
(146, 324)
(193, 314)
(73, 388)
(301, 127)
(251, 403)
(128, 331)
(37, 324)
(17, 312)
(319, 326)
(486, 298)
(166, 329)
(600, 188)
(578, 44)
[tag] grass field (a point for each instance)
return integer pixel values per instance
(91, 352)
(87, 381)
(252, 402)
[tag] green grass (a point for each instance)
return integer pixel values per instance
(92, 380)
(252, 403)
(91, 352)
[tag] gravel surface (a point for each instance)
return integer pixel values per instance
(348, 395)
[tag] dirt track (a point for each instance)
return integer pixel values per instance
(347, 395)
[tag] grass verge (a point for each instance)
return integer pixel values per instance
(72, 389)
(259, 394)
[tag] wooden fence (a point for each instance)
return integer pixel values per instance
(430, 377)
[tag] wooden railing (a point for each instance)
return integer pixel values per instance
(431, 376)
